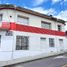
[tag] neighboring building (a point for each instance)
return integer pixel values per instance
(28, 34)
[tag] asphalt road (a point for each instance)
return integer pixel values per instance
(57, 61)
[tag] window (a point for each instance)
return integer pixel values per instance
(22, 20)
(59, 28)
(21, 43)
(0, 17)
(43, 41)
(43, 44)
(46, 25)
(61, 46)
(51, 42)
(43, 38)
(61, 42)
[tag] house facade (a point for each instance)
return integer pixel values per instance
(26, 33)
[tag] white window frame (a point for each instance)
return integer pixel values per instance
(61, 42)
(46, 23)
(22, 20)
(21, 43)
(59, 27)
(43, 43)
(51, 42)
(1, 17)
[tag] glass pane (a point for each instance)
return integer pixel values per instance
(51, 42)
(43, 44)
(18, 42)
(46, 25)
(22, 20)
(59, 27)
(60, 41)
(0, 17)
(21, 42)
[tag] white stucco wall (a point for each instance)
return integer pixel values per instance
(8, 45)
(5, 46)
(35, 46)
(33, 20)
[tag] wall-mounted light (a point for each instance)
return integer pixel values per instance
(10, 16)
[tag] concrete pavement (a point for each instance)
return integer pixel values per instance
(57, 61)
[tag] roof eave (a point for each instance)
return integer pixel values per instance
(10, 6)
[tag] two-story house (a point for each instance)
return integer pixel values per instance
(28, 34)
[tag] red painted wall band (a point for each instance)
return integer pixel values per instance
(19, 27)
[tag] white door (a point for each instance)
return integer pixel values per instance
(43, 45)
(61, 44)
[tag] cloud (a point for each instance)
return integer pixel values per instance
(55, 1)
(50, 11)
(37, 2)
(65, 0)
(39, 9)
(62, 15)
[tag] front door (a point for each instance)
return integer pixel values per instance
(61, 44)
(43, 45)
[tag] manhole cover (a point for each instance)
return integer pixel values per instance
(64, 65)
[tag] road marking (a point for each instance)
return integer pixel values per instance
(60, 57)
(64, 65)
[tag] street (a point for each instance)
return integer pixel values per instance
(57, 61)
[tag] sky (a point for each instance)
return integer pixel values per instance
(57, 8)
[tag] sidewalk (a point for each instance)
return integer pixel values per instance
(30, 58)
